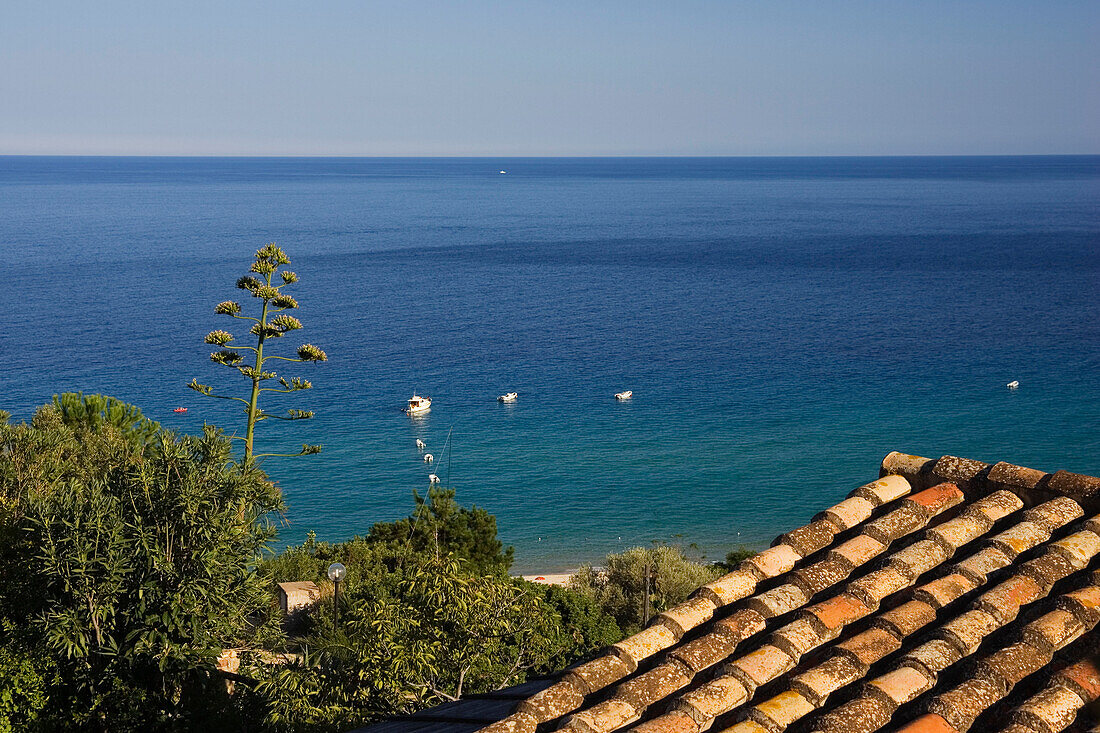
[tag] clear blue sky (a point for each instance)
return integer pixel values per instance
(553, 77)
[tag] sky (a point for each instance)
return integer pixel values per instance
(553, 77)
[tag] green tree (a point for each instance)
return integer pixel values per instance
(429, 633)
(273, 322)
(620, 588)
(440, 526)
(582, 618)
(143, 547)
(427, 614)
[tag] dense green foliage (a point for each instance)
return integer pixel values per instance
(620, 588)
(271, 323)
(427, 614)
(439, 526)
(126, 560)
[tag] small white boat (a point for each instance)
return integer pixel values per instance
(510, 397)
(421, 445)
(418, 405)
(624, 395)
(1013, 384)
(502, 172)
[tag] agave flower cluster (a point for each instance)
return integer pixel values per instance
(271, 323)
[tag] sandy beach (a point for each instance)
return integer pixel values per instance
(549, 578)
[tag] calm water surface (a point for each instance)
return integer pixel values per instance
(783, 323)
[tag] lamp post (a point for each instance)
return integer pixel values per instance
(336, 573)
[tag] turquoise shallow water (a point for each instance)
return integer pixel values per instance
(784, 323)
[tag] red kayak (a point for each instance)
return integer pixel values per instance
(180, 409)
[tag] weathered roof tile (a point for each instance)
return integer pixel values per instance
(857, 551)
(778, 601)
(648, 688)
(907, 618)
(837, 612)
(1004, 601)
(809, 539)
(961, 705)
(780, 711)
(874, 587)
(1008, 666)
(644, 644)
(884, 490)
(1055, 513)
(761, 665)
(850, 512)
(705, 651)
(870, 646)
(687, 615)
(818, 683)
(901, 685)
(730, 587)
(708, 701)
(598, 673)
(934, 656)
(945, 590)
(1053, 709)
(773, 561)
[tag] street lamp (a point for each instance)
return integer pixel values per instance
(336, 573)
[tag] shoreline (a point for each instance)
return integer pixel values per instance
(559, 578)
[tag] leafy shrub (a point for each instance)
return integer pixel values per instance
(620, 589)
(143, 543)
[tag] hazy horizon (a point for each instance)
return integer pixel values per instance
(567, 79)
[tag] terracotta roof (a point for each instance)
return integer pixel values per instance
(947, 594)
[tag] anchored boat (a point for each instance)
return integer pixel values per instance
(418, 405)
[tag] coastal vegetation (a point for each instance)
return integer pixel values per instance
(620, 587)
(132, 558)
(272, 322)
(125, 568)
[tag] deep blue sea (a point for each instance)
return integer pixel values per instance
(782, 322)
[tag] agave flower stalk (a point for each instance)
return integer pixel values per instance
(272, 323)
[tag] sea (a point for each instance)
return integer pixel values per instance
(783, 323)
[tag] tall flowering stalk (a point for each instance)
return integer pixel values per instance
(272, 323)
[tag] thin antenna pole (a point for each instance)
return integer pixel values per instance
(450, 455)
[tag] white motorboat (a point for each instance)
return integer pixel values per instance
(624, 395)
(510, 397)
(418, 405)
(1013, 384)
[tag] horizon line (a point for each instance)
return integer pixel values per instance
(554, 156)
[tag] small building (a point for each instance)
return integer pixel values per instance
(297, 596)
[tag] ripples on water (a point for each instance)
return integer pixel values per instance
(784, 323)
